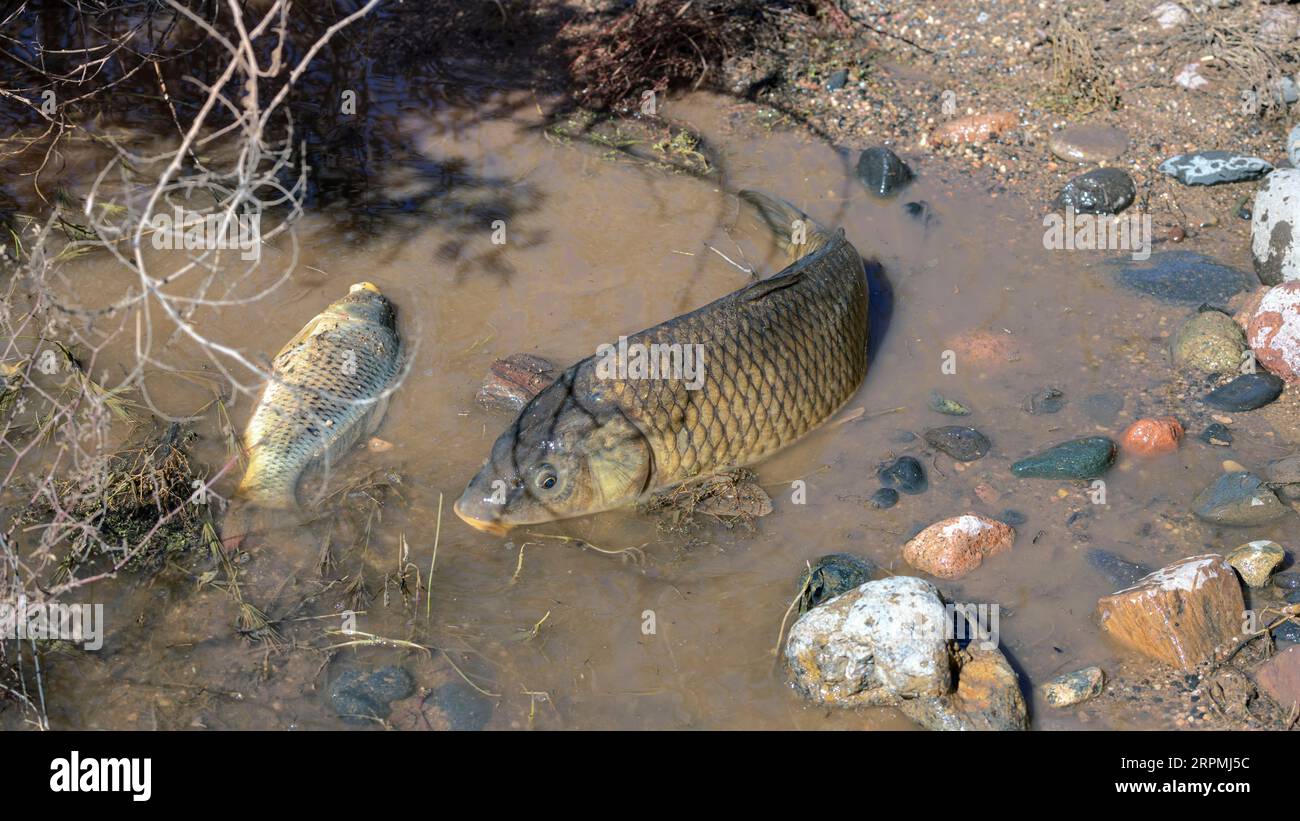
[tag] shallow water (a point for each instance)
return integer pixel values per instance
(597, 248)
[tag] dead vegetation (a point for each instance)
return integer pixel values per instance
(1236, 45)
(1079, 80)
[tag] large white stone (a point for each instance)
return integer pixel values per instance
(1275, 227)
(883, 640)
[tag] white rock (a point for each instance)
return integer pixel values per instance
(1169, 15)
(1275, 227)
(884, 640)
(1190, 77)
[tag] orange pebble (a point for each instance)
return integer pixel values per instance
(1152, 437)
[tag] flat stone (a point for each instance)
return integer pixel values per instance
(965, 444)
(1247, 392)
(1074, 688)
(976, 128)
(1238, 499)
(1120, 572)
(360, 698)
(1088, 143)
(1214, 167)
(1103, 408)
(1182, 276)
(1181, 615)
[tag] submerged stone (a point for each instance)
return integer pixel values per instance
(883, 172)
(961, 443)
(884, 498)
(360, 698)
(1240, 499)
(1120, 572)
(1210, 341)
(832, 575)
(905, 473)
(1182, 276)
(1085, 458)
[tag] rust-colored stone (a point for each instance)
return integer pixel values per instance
(1274, 331)
(512, 382)
(1180, 615)
(976, 128)
(1152, 437)
(1280, 678)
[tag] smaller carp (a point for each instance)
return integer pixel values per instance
(328, 389)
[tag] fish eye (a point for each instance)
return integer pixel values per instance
(547, 478)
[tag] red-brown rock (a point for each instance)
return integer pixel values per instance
(1280, 678)
(1180, 615)
(1273, 332)
(976, 128)
(952, 548)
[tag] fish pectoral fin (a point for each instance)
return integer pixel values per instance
(301, 336)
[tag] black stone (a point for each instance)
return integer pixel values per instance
(1287, 581)
(1103, 191)
(904, 473)
(1245, 393)
(358, 697)
(882, 172)
(1182, 276)
(837, 80)
(465, 708)
(832, 575)
(961, 443)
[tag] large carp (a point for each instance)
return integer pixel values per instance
(780, 357)
(329, 387)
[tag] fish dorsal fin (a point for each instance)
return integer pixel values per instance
(769, 286)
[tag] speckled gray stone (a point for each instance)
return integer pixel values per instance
(1214, 167)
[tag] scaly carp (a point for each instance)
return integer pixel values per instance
(777, 359)
(329, 387)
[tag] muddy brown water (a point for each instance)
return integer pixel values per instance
(603, 248)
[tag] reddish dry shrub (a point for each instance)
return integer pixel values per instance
(662, 44)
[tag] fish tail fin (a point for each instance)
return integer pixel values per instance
(796, 232)
(245, 519)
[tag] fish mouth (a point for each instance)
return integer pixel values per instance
(495, 528)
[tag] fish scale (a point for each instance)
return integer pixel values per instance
(774, 369)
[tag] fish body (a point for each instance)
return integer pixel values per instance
(328, 388)
(776, 359)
